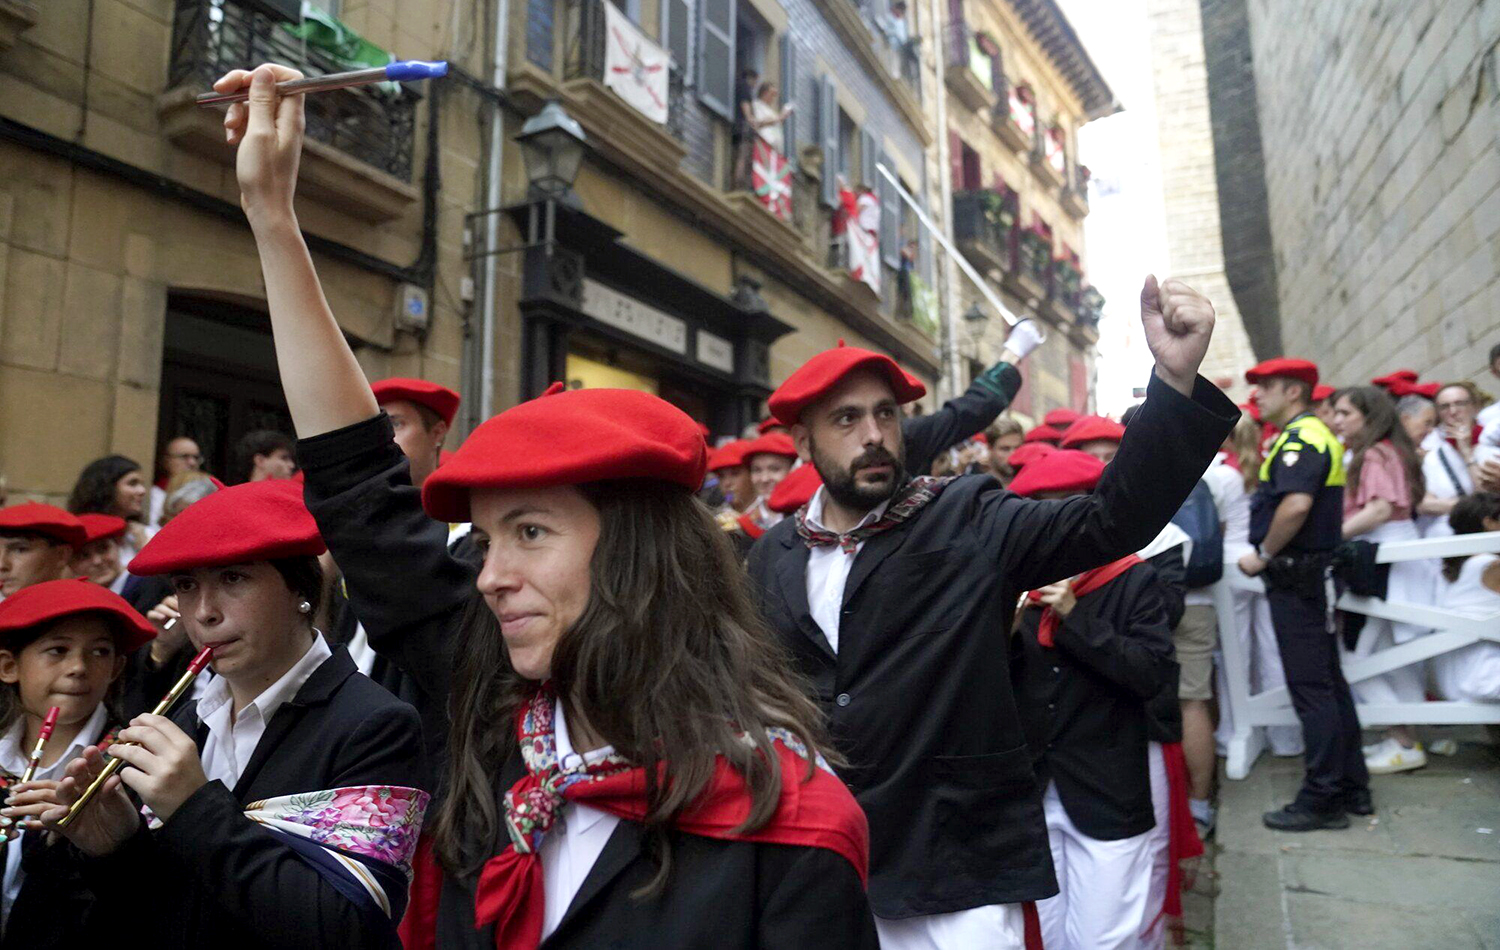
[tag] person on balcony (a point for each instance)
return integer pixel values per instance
(766, 117)
(744, 125)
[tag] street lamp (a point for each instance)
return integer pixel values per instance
(552, 146)
(975, 321)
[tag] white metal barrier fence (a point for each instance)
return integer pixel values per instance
(1452, 630)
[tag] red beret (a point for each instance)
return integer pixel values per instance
(769, 423)
(440, 399)
(569, 438)
(1401, 387)
(1061, 418)
(795, 490)
(256, 521)
(1321, 392)
(1043, 433)
(728, 455)
(1399, 376)
(772, 443)
(1063, 470)
(981, 438)
(1026, 454)
(48, 520)
(1092, 428)
(99, 527)
(824, 372)
(53, 600)
(1284, 366)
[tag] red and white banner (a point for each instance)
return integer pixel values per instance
(634, 67)
(771, 177)
(864, 241)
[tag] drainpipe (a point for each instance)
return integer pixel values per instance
(945, 178)
(492, 221)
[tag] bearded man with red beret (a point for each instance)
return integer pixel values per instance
(894, 595)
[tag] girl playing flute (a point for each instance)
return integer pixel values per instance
(283, 806)
(629, 764)
(63, 644)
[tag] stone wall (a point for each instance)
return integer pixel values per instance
(1191, 196)
(1379, 120)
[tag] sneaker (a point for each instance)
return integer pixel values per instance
(1443, 747)
(1359, 802)
(1204, 816)
(1392, 757)
(1299, 817)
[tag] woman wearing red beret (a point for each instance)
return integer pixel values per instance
(770, 459)
(1093, 650)
(63, 646)
(628, 763)
(282, 804)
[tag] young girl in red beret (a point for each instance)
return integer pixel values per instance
(63, 645)
(1092, 651)
(627, 761)
(282, 806)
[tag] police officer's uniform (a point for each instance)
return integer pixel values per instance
(1307, 458)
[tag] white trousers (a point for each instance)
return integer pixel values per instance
(998, 926)
(1105, 887)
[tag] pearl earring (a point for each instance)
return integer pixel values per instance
(305, 607)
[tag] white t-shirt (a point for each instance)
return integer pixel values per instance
(771, 133)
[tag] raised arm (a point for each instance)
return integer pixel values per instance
(325, 388)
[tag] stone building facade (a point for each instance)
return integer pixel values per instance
(131, 300)
(1019, 86)
(1374, 125)
(1190, 186)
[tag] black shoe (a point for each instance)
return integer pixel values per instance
(1359, 802)
(1299, 817)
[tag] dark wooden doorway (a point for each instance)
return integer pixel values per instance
(218, 380)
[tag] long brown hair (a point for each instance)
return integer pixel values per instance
(1381, 425)
(1245, 438)
(670, 663)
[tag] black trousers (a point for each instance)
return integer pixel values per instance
(1321, 697)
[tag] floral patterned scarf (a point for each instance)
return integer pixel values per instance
(813, 812)
(909, 499)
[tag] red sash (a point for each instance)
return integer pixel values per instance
(1086, 583)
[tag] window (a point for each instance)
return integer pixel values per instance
(676, 26)
(972, 178)
(716, 49)
(828, 139)
(846, 152)
(631, 8)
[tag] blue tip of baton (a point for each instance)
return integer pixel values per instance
(414, 69)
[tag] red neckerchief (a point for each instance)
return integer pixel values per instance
(1473, 437)
(816, 812)
(1087, 583)
(750, 526)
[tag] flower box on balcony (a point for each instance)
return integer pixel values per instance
(1016, 123)
(1032, 274)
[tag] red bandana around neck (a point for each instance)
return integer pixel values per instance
(818, 812)
(1087, 583)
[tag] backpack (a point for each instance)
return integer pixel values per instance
(1199, 517)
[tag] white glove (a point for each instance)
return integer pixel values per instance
(1024, 337)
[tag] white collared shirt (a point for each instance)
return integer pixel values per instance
(232, 739)
(577, 837)
(828, 569)
(15, 753)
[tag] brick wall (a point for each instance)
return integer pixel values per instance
(1378, 120)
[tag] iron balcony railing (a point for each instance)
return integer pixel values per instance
(369, 123)
(585, 59)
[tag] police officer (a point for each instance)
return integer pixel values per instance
(1295, 523)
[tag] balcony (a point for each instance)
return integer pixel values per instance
(1049, 159)
(968, 68)
(984, 229)
(358, 152)
(1016, 123)
(1031, 279)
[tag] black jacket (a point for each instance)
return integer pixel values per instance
(959, 418)
(1083, 701)
(213, 878)
(1164, 710)
(919, 694)
(723, 894)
